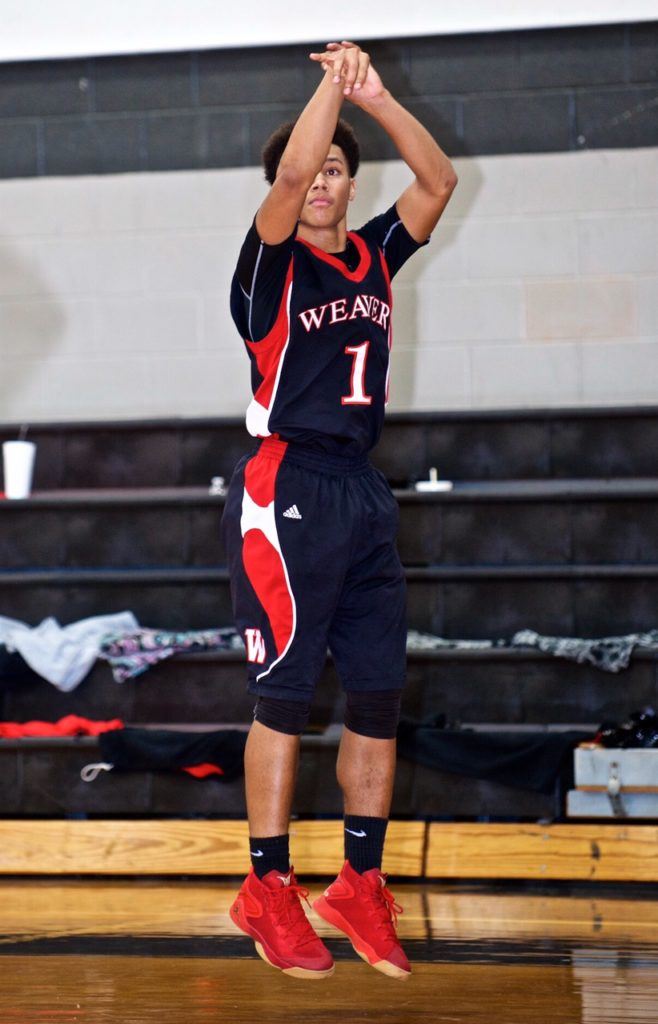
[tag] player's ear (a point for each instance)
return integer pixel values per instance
(352, 191)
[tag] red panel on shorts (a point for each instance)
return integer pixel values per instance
(266, 574)
(260, 474)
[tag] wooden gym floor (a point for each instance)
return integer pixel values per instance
(136, 952)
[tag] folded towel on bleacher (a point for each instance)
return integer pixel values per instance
(63, 654)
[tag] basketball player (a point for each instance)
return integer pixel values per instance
(309, 524)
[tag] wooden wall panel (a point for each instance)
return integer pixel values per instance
(166, 847)
(211, 847)
(583, 852)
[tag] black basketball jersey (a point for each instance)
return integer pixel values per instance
(320, 375)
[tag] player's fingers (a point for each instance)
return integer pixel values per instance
(338, 61)
(364, 64)
(351, 69)
(330, 61)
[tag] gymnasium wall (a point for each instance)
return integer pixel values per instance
(128, 183)
(69, 28)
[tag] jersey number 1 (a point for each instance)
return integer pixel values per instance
(357, 395)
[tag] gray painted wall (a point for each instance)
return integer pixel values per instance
(539, 287)
(501, 92)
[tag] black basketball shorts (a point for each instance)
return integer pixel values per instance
(311, 549)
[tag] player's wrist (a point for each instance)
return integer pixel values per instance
(331, 87)
(329, 76)
(373, 103)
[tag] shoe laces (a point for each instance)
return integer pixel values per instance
(386, 910)
(285, 905)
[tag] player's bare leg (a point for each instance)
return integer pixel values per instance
(358, 903)
(268, 906)
(270, 765)
(365, 770)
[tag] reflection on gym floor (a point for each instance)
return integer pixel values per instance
(132, 952)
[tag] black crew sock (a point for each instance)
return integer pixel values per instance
(270, 854)
(364, 841)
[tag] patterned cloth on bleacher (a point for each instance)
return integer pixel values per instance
(609, 653)
(130, 654)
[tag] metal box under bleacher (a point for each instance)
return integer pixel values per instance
(612, 782)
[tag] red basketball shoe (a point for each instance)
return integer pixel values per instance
(364, 909)
(269, 909)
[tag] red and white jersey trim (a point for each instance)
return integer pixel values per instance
(390, 319)
(270, 354)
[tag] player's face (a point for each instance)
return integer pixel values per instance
(327, 199)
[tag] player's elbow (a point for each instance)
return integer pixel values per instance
(440, 186)
(437, 191)
(290, 179)
(447, 182)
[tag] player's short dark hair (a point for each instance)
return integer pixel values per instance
(343, 136)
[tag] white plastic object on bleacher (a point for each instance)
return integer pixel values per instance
(434, 484)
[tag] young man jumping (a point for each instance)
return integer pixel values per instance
(310, 524)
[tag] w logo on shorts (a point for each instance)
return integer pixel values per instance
(255, 646)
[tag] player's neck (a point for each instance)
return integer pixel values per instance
(329, 239)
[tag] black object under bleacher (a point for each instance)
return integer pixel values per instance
(166, 750)
(535, 761)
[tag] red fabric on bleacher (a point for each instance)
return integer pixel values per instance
(70, 725)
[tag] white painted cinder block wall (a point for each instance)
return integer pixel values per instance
(539, 288)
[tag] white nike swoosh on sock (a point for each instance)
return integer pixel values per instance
(359, 835)
(257, 853)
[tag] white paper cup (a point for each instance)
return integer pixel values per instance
(18, 463)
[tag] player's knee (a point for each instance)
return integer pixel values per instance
(289, 716)
(375, 714)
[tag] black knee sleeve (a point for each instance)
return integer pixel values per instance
(373, 713)
(289, 716)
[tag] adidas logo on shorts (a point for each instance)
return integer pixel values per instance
(292, 513)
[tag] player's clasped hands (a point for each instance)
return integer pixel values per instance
(348, 62)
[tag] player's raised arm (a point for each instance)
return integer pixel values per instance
(345, 72)
(423, 202)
